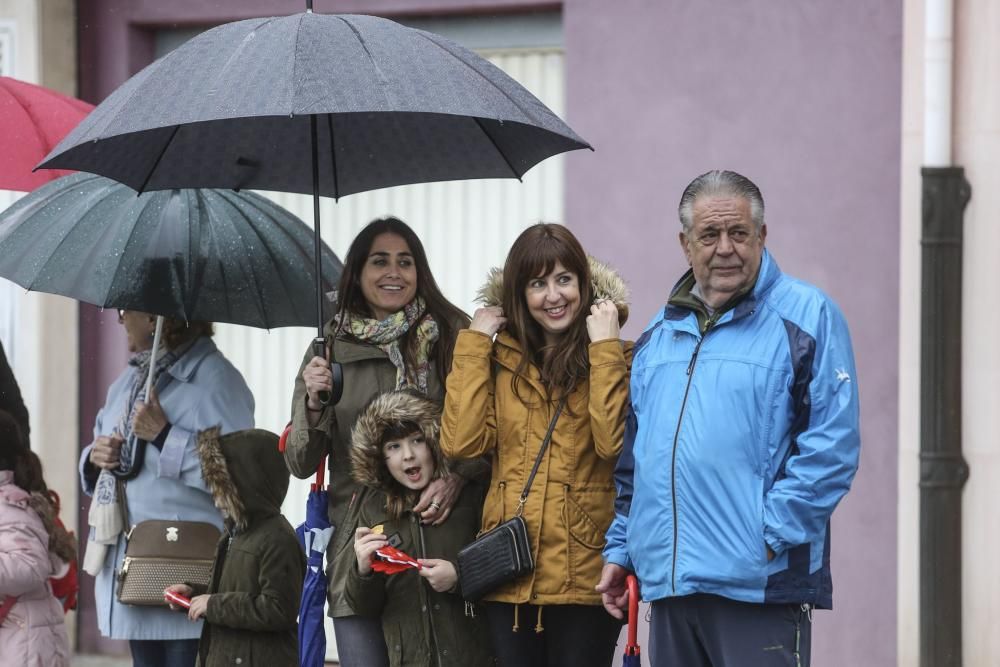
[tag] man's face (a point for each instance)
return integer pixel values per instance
(723, 247)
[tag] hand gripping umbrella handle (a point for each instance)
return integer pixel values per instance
(331, 397)
(632, 647)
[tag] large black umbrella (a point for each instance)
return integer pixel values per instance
(374, 103)
(195, 254)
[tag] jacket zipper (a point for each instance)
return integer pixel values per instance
(430, 608)
(673, 453)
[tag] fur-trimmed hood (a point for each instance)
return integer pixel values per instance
(384, 411)
(605, 282)
(245, 473)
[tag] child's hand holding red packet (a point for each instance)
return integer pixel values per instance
(175, 598)
(390, 560)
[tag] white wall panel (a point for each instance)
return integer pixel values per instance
(10, 295)
(466, 227)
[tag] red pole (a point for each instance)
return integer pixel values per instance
(632, 647)
(320, 475)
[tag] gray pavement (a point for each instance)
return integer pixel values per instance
(109, 661)
(99, 661)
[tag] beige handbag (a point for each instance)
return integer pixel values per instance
(160, 553)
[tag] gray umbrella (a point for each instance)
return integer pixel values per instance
(397, 105)
(375, 103)
(187, 254)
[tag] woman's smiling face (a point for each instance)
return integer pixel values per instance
(553, 300)
(389, 277)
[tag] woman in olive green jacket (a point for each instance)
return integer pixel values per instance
(393, 330)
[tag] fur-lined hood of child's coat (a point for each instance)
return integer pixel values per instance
(245, 473)
(605, 282)
(367, 460)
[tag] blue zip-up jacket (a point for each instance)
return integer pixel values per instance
(740, 438)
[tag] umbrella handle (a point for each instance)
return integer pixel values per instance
(152, 356)
(320, 475)
(632, 647)
(283, 440)
(331, 397)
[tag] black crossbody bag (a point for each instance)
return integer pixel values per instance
(503, 553)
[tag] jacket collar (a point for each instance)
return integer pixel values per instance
(682, 303)
(186, 366)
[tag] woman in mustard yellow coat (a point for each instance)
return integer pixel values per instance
(555, 316)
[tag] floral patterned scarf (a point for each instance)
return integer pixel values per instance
(387, 334)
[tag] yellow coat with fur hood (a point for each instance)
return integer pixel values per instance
(571, 501)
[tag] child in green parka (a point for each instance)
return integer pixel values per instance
(425, 620)
(251, 604)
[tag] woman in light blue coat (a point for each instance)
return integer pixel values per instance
(195, 388)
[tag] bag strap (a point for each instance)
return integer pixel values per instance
(538, 459)
(8, 602)
(123, 507)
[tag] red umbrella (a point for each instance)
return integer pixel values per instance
(33, 120)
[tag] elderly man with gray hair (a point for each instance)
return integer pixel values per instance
(741, 439)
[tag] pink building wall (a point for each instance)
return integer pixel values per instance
(803, 97)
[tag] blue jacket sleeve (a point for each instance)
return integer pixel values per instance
(104, 424)
(825, 452)
(616, 547)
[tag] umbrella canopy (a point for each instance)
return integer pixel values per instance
(395, 105)
(374, 103)
(187, 254)
(33, 120)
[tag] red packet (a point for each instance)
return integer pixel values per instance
(177, 599)
(390, 560)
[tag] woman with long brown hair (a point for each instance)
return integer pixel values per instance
(557, 356)
(393, 329)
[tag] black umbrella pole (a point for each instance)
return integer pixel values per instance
(317, 239)
(319, 343)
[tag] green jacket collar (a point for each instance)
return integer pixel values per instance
(682, 297)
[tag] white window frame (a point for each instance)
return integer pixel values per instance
(8, 40)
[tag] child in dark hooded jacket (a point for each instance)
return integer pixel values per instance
(425, 621)
(252, 600)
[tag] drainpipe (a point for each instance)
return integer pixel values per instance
(943, 471)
